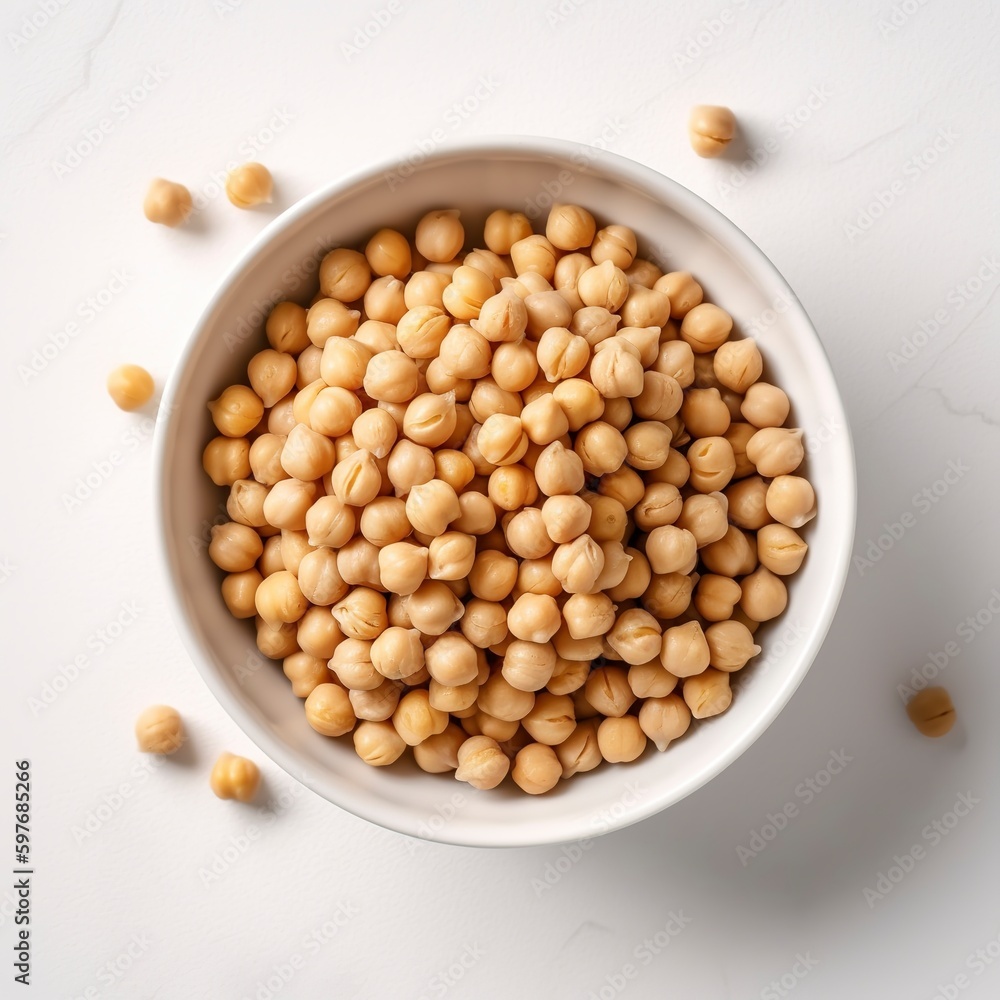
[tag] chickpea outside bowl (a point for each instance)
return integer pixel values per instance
(283, 264)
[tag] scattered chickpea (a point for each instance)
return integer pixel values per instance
(131, 387)
(159, 730)
(710, 129)
(931, 711)
(249, 185)
(235, 778)
(167, 202)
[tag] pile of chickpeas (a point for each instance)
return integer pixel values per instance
(518, 509)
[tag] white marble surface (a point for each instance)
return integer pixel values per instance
(841, 104)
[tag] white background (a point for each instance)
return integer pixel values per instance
(842, 104)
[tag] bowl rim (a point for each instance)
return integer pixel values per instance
(711, 221)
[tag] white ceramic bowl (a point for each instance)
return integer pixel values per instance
(673, 225)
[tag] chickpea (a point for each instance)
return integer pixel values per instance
(352, 663)
(791, 500)
(306, 673)
(245, 504)
(671, 549)
(409, 465)
(377, 704)
(234, 547)
(307, 366)
(621, 739)
(385, 300)
(570, 227)
(534, 254)
(361, 614)
(711, 129)
(730, 644)
(514, 366)
(440, 235)
(685, 651)
(661, 505)
(747, 505)
(481, 762)
(378, 337)
(488, 399)
(468, 290)
(226, 460)
(402, 566)
(430, 419)
(650, 680)
(776, 451)
(279, 600)
(131, 387)
(237, 411)
(706, 327)
(286, 328)
(329, 319)
(664, 719)
(276, 643)
(568, 676)
(249, 185)
(465, 353)
(397, 653)
(525, 534)
(451, 556)
(484, 623)
(159, 730)
(705, 516)
(603, 285)
(608, 518)
(167, 202)
(307, 455)
(551, 720)
(534, 617)
(616, 244)
(616, 564)
(708, 693)
(478, 515)
(780, 549)
(578, 565)
(375, 431)
(683, 291)
(235, 778)
(607, 689)
(646, 307)
(270, 560)
(765, 405)
(344, 275)
(536, 769)
(558, 471)
(238, 591)
(432, 506)
(512, 487)
(764, 595)
(601, 448)
(580, 401)
(501, 439)
(618, 412)
(388, 253)
(493, 575)
(377, 743)
(704, 413)
(615, 370)
(668, 595)
(318, 633)
(503, 318)
(565, 517)
(636, 636)
(594, 324)
(433, 607)
(580, 751)
(733, 555)
(357, 563)
(491, 264)
(503, 229)
(648, 444)
(545, 310)
(712, 464)
(421, 331)
(502, 700)
(738, 364)
(716, 596)
(425, 288)
(932, 712)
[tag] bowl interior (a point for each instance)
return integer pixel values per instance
(677, 230)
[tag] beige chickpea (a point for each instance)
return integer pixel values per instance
(621, 739)
(705, 516)
(526, 535)
(439, 381)
(403, 566)
(648, 444)
(594, 324)
(735, 554)
(477, 514)
(603, 285)
(716, 596)
(534, 617)
(712, 464)
(433, 607)
(780, 549)
(467, 292)
(305, 672)
(645, 339)
(249, 185)
(561, 354)
(578, 565)
(279, 600)
(706, 327)
(747, 503)
(635, 636)
(352, 663)
(488, 399)
(738, 435)
(438, 754)
(589, 615)
(361, 613)
(551, 720)
(503, 318)
(481, 723)
(738, 364)
(668, 594)
(643, 272)
(238, 590)
(391, 377)
(664, 719)
(565, 517)
(534, 254)
(397, 653)
(710, 129)
(377, 743)
(651, 680)
(503, 229)
(765, 405)
(536, 769)
(616, 244)
(502, 700)
(270, 560)
(281, 418)
(568, 648)
(493, 575)
(306, 454)
(167, 202)
(676, 359)
(272, 375)
(245, 504)
(708, 693)
(581, 402)
(357, 479)
(451, 556)
(558, 470)
(607, 689)
(704, 413)
(502, 440)
(235, 777)
(684, 651)
(569, 676)
(318, 633)
(294, 548)
(234, 547)
(159, 730)
(375, 431)
(377, 337)
(683, 291)
(568, 270)
(608, 518)
(376, 704)
(452, 660)
(286, 328)
(430, 419)
(388, 253)
(329, 319)
(730, 645)
(409, 465)
(440, 235)
(226, 460)
(526, 283)
(544, 420)
(329, 521)
(344, 275)
(638, 575)
(512, 487)
(465, 353)
(357, 563)
(432, 506)
(776, 451)
(764, 595)
(307, 366)
(514, 366)
(671, 549)
(618, 412)
(580, 751)
(276, 643)
(329, 711)
(791, 500)
(425, 288)
(645, 307)
(615, 370)
(491, 264)
(616, 564)
(237, 411)
(481, 762)
(385, 300)
(601, 448)
(661, 505)
(420, 331)
(528, 665)
(344, 363)
(570, 227)
(484, 623)
(546, 309)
